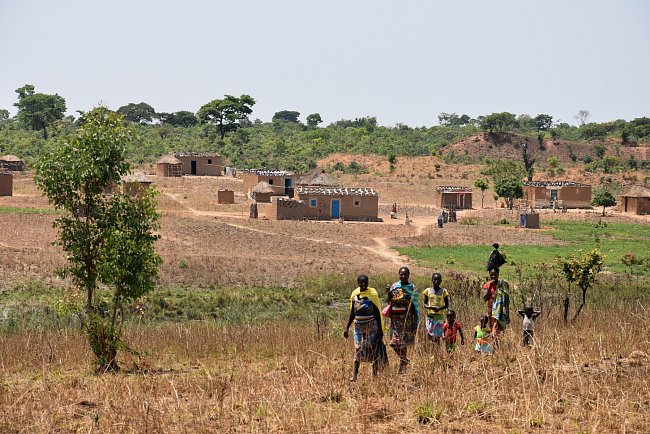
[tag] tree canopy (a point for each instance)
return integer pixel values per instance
(38, 110)
(314, 119)
(604, 198)
(227, 113)
(141, 113)
(182, 118)
(499, 123)
(286, 116)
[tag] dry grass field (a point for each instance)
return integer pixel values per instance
(281, 376)
(198, 377)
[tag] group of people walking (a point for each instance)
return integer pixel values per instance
(402, 309)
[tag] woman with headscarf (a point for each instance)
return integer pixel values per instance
(365, 309)
(404, 315)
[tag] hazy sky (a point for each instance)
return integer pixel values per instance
(403, 62)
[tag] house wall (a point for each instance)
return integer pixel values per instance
(202, 166)
(447, 200)
(536, 196)
(366, 209)
(575, 197)
(226, 196)
(263, 197)
(6, 184)
(570, 196)
(167, 170)
(643, 205)
(636, 205)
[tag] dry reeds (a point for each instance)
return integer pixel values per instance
(279, 377)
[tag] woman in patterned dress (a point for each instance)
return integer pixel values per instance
(404, 315)
(365, 309)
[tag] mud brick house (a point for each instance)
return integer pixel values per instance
(453, 196)
(11, 163)
(568, 194)
(327, 203)
(226, 197)
(636, 200)
(6, 183)
(282, 183)
(135, 183)
(169, 166)
(262, 192)
(196, 163)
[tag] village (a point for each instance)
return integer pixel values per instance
(284, 195)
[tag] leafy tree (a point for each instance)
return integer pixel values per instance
(141, 113)
(453, 120)
(499, 123)
(227, 113)
(611, 164)
(502, 169)
(510, 189)
(314, 119)
(604, 198)
(600, 150)
(182, 118)
(4, 115)
(543, 122)
(481, 184)
(632, 164)
(286, 116)
(108, 239)
(580, 271)
(38, 110)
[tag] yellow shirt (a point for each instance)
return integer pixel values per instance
(436, 301)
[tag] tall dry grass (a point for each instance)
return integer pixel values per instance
(591, 376)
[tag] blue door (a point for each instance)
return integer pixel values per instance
(336, 208)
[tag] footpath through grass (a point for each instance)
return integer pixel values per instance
(613, 239)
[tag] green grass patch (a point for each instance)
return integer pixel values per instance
(613, 239)
(17, 210)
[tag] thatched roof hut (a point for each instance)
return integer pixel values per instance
(169, 166)
(637, 191)
(636, 200)
(134, 183)
(12, 163)
(262, 192)
(262, 187)
(320, 178)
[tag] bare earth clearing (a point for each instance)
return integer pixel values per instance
(591, 376)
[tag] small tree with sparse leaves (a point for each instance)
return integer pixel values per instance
(482, 184)
(580, 271)
(108, 238)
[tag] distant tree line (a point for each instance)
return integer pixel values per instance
(225, 126)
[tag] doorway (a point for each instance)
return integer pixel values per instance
(193, 168)
(336, 208)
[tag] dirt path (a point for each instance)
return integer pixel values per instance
(380, 248)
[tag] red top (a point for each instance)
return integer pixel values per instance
(491, 288)
(451, 331)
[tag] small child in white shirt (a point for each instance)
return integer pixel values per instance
(529, 316)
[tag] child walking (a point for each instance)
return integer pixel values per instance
(529, 316)
(436, 301)
(450, 330)
(481, 335)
